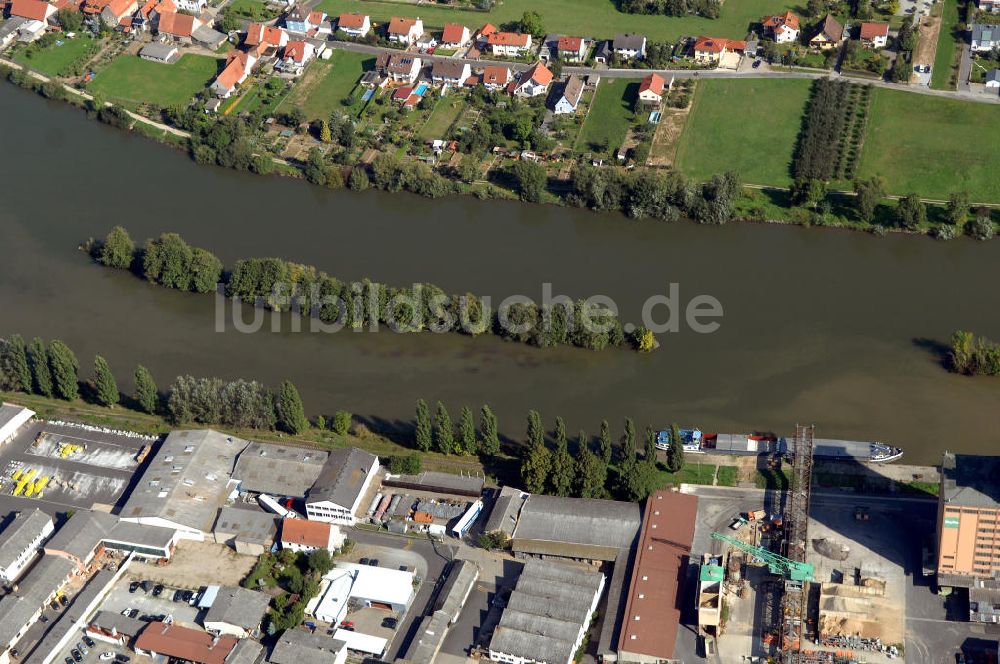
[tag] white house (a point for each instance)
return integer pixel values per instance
(354, 25)
(629, 46)
(295, 57)
(405, 30)
(21, 540)
(782, 28)
(993, 78)
(509, 44)
(455, 35)
(309, 536)
(651, 90)
(453, 72)
(571, 49)
(535, 81)
(569, 100)
(336, 495)
(403, 68)
(874, 35)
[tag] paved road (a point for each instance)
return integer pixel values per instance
(964, 68)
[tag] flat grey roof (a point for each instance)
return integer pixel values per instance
(342, 477)
(281, 470)
(456, 588)
(16, 609)
(295, 646)
(246, 525)
(429, 480)
(142, 535)
(9, 411)
(187, 481)
(108, 620)
(158, 50)
(20, 533)
(505, 511)
(208, 35)
(971, 480)
(81, 533)
(578, 521)
(428, 638)
(247, 651)
(238, 606)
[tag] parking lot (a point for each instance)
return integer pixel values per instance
(120, 599)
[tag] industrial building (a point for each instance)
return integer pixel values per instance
(21, 540)
(453, 595)
(652, 611)
(337, 493)
(280, 470)
(547, 615)
(506, 509)
(295, 646)
(308, 536)
(186, 483)
(236, 611)
(248, 532)
(84, 535)
(12, 418)
(577, 528)
(19, 609)
(968, 520)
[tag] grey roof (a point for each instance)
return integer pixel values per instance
(342, 478)
(993, 75)
(238, 606)
(428, 638)
(66, 621)
(11, 25)
(40, 582)
(204, 34)
(158, 51)
(400, 63)
(573, 89)
(127, 532)
(281, 470)
(187, 481)
(448, 68)
(614, 605)
(81, 534)
(9, 411)
(592, 528)
(629, 42)
(295, 646)
(246, 525)
(108, 620)
(971, 480)
(429, 480)
(505, 511)
(441, 509)
(26, 528)
(247, 651)
(985, 32)
(603, 50)
(451, 598)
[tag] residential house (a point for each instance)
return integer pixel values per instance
(534, 81)
(403, 68)
(405, 30)
(829, 35)
(164, 641)
(496, 77)
(711, 49)
(455, 36)
(569, 100)
(990, 6)
(239, 65)
(32, 10)
(354, 25)
(18, 28)
(94, 7)
(149, 13)
(336, 495)
(308, 536)
(985, 37)
(176, 26)
(782, 28)
(874, 35)
(629, 46)
(236, 611)
(452, 72)
(117, 12)
(295, 57)
(193, 6)
(264, 40)
(992, 79)
(484, 33)
(303, 20)
(571, 49)
(651, 90)
(510, 44)
(602, 53)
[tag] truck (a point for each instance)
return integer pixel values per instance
(269, 503)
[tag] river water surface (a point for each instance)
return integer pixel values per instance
(820, 326)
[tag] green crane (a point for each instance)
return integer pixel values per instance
(779, 565)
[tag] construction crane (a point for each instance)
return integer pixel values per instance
(776, 564)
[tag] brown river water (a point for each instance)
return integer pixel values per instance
(819, 326)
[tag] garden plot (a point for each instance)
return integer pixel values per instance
(82, 450)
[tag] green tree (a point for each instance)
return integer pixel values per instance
(324, 132)
(341, 423)
(444, 430)
(962, 346)
(467, 432)
(358, 180)
(606, 447)
(409, 464)
(957, 211)
(117, 250)
(563, 466)
(41, 375)
(675, 453)
(15, 364)
(423, 433)
(488, 432)
(493, 541)
(815, 8)
(104, 382)
(591, 472)
(868, 195)
(530, 179)
(911, 213)
(146, 394)
(535, 467)
(65, 370)
(649, 449)
(531, 23)
(536, 433)
(291, 414)
(70, 19)
(642, 480)
(320, 561)
(628, 442)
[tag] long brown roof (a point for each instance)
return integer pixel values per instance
(192, 645)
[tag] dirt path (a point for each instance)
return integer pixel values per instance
(926, 48)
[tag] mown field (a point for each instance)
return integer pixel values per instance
(610, 115)
(747, 126)
(326, 84)
(945, 60)
(933, 146)
(60, 59)
(584, 18)
(131, 79)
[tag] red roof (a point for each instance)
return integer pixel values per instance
(121, 7)
(355, 21)
(652, 615)
(296, 50)
(508, 39)
(315, 534)
(570, 44)
(710, 44)
(454, 33)
(487, 30)
(315, 18)
(175, 23)
(873, 30)
(260, 34)
(160, 6)
(72, 5)
(185, 643)
(496, 75)
(401, 26)
(94, 6)
(402, 93)
(540, 74)
(654, 83)
(237, 65)
(35, 10)
(788, 18)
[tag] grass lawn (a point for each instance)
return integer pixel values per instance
(326, 83)
(947, 47)
(693, 472)
(56, 60)
(254, 10)
(749, 126)
(583, 18)
(442, 117)
(132, 79)
(932, 146)
(728, 475)
(610, 115)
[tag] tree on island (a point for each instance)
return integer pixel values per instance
(117, 250)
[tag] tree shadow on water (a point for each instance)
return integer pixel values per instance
(938, 350)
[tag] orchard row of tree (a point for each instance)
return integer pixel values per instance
(818, 149)
(703, 8)
(973, 356)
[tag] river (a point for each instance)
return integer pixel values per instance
(819, 326)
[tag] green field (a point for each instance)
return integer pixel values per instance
(610, 115)
(131, 79)
(325, 85)
(444, 114)
(747, 126)
(933, 146)
(947, 46)
(584, 18)
(56, 60)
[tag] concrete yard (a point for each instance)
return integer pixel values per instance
(197, 564)
(120, 599)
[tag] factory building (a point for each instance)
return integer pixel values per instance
(12, 418)
(21, 540)
(336, 495)
(969, 520)
(579, 528)
(248, 532)
(279, 470)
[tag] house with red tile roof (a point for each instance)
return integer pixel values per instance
(295, 57)
(874, 35)
(782, 28)
(265, 39)
(116, 11)
(711, 49)
(354, 25)
(149, 13)
(94, 6)
(534, 81)
(160, 640)
(496, 77)
(651, 90)
(33, 10)
(308, 536)
(239, 66)
(511, 44)
(455, 35)
(176, 26)
(571, 49)
(405, 30)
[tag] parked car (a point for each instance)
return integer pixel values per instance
(55, 605)
(363, 561)
(132, 587)
(349, 629)
(390, 623)
(178, 596)
(44, 618)
(68, 660)
(756, 63)
(373, 562)
(105, 656)
(187, 595)
(89, 641)
(157, 590)
(77, 657)
(63, 600)
(82, 648)
(124, 659)
(347, 623)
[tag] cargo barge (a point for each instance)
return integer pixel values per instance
(698, 442)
